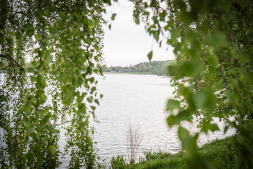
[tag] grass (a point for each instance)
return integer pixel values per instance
(220, 152)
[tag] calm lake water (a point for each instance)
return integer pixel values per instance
(138, 100)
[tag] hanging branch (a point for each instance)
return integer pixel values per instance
(12, 61)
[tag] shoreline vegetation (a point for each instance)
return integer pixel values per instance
(159, 68)
(221, 153)
(137, 73)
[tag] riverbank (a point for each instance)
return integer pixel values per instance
(220, 152)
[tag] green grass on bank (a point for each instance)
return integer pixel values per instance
(220, 152)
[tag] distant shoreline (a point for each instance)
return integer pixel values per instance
(141, 73)
(136, 73)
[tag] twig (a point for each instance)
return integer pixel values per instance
(133, 141)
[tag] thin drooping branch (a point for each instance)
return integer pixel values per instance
(12, 60)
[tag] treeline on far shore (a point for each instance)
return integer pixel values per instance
(159, 68)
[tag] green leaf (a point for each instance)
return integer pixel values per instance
(200, 98)
(163, 15)
(183, 134)
(90, 99)
(225, 129)
(52, 149)
(214, 61)
(153, 3)
(214, 127)
(156, 36)
(110, 26)
(208, 126)
(181, 116)
(145, 4)
(113, 16)
(137, 20)
(171, 120)
(93, 89)
(30, 69)
(96, 70)
(240, 139)
(46, 119)
(37, 37)
(96, 101)
(28, 124)
(29, 156)
(185, 69)
(217, 39)
(239, 54)
(101, 96)
(92, 79)
(150, 55)
(173, 104)
(93, 108)
(249, 126)
(18, 35)
(20, 151)
(29, 131)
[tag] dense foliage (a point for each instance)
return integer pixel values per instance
(212, 41)
(63, 41)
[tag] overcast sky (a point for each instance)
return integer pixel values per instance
(127, 43)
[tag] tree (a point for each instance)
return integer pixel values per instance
(63, 39)
(154, 71)
(165, 68)
(132, 68)
(143, 68)
(150, 67)
(212, 43)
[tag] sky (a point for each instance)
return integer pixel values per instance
(127, 43)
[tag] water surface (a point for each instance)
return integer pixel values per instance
(139, 100)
